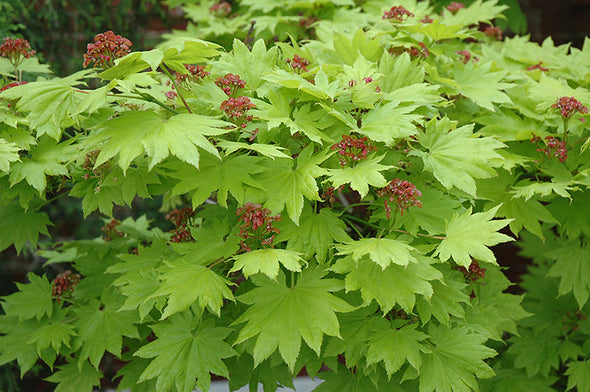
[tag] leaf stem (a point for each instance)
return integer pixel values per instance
(436, 237)
(163, 68)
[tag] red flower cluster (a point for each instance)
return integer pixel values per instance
(195, 72)
(494, 32)
(89, 163)
(401, 192)
(13, 84)
(16, 50)
(110, 230)
(427, 19)
(257, 228)
(64, 284)
(236, 109)
(352, 149)
(422, 52)
(298, 63)
(181, 218)
(538, 66)
(397, 13)
(106, 47)
(466, 56)
(220, 9)
(230, 83)
(553, 149)
(568, 106)
(455, 6)
(475, 272)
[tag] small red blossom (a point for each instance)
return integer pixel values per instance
(195, 73)
(220, 9)
(16, 50)
(352, 149)
(466, 56)
(230, 83)
(494, 32)
(88, 166)
(171, 95)
(402, 193)
(554, 148)
(455, 6)
(110, 230)
(419, 52)
(298, 63)
(538, 66)
(237, 108)
(13, 84)
(427, 19)
(568, 106)
(397, 13)
(257, 229)
(63, 285)
(106, 47)
(473, 273)
(181, 219)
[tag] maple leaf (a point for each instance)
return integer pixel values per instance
(268, 150)
(469, 235)
(483, 87)
(281, 316)
(383, 251)
(250, 65)
(230, 175)
(72, 377)
(315, 234)
(527, 189)
(101, 327)
(572, 265)
(361, 175)
(455, 156)
(13, 344)
(322, 89)
(536, 358)
(446, 300)
(33, 300)
(19, 226)
(456, 359)
(396, 346)
(578, 373)
(389, 123)
(267, 261)
(8, 153)
(394, 284)
(132, 133)
(53, 332)
(45, 159)
(478, 11)
(186, 349)
(186, 283)
(286, 187)
(517, 380)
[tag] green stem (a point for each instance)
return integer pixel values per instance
(359, 220)
(351, 224)
(163, 68)
(366, 203)
(221, 259)
(436, 237)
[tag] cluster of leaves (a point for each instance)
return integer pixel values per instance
(290, 249)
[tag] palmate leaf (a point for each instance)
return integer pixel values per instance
(360, 176)
(572, 265)
(396, 346)
(455, 156)
(469, 235)
(47, 158)
(389, 123)
(101, 327)
(383, 251)
(281, 316)
(230, 175)
(267, 261)
(393, 285)
(8, 153)
(315, 234)
(186, 351)
(578, 373)
(478, 11)
(287, 186)
(18, 226)
(33, 300)
(76, 378)
(446, 300)
(186, 283)
(455, 361)
(516, 380)
(133, 133)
